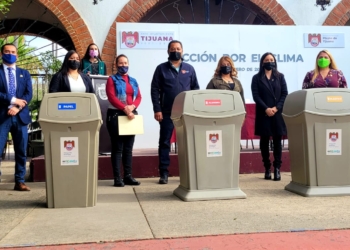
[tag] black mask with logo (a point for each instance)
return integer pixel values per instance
(73, 64)
(225, 70)
(174, 56)
(269, 65)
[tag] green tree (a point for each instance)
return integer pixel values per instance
(4, 5)
(50, 65)
(34, 104)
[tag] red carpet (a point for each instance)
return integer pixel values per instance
(145, 165)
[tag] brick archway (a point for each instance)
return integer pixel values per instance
(339, 15)
(72, 22)
(136, 9)
(274, 10)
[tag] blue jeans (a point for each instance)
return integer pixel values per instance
(19, 134)
(166, 130)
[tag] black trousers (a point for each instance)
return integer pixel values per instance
(122, 145)
(166, 130)
(277, 150)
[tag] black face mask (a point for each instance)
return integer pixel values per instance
(269, 65)
(225, 69)
(73, 64)
(174, 56)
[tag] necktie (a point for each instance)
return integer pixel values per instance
(12, 86)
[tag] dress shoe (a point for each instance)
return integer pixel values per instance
(129, 180)
(277, 174)
(267, 174)
(20, 186)
(118, 182)
(163, 179)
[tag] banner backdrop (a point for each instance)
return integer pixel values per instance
(295, 48)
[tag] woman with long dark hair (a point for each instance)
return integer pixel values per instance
(124, 97)
(69, 78)
(269, 91)
(92, 63)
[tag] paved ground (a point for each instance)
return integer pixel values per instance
(151, 217)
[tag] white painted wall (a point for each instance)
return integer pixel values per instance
(304, 12)
(99, 18)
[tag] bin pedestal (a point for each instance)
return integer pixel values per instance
(317, 190)
(208, 144)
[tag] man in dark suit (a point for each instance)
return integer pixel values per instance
(15, 94)
(170, 78)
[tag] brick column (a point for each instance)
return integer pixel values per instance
(339, 15)
(72, 22)
(133, 11)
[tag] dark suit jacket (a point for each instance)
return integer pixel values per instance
(265, 97)
(23, 91)
(60, 83)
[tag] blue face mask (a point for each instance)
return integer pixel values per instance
(9, 58)
(123, 69)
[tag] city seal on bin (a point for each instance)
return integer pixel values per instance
(214, 138)
(66, 106)
(69, 145)
(333, 136)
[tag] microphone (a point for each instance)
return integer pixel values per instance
(85, 69)
(90, 64)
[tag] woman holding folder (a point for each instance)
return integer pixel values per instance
(124, 96)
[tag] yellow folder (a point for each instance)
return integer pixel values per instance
(130, 127)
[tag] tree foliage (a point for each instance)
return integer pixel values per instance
(5, 6)
(50, 64)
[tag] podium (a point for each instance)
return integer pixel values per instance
(99, 83)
